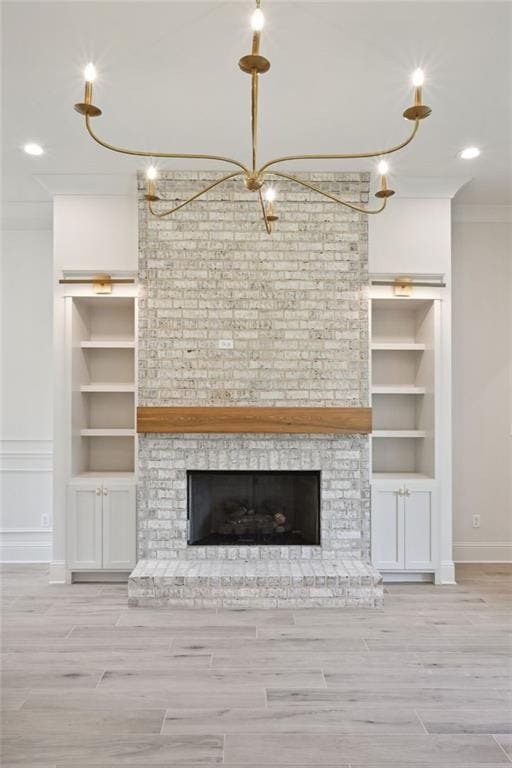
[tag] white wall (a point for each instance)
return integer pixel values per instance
(26, 427)
(411, 236)
(95, 233)
(482, 385)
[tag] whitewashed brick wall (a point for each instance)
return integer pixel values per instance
(294, 304)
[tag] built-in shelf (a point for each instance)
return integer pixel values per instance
(397, 346)
(398, 390)
(107, 344)
(107, 387)
(403, 342)
(399, 433)
(400, 476)
(104, 475)
(107, 432)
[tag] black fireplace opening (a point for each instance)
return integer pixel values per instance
(253, 507)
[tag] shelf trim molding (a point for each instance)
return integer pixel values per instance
(404, 389)
(253, 420)
(397, 346)
(105, 432)
(399, 433)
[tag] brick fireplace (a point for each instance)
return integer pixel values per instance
(293, 308)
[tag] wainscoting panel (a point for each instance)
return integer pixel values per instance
(26, 480)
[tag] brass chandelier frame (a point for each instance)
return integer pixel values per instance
(254, 176)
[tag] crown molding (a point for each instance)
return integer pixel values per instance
(125, 184)
(27, 215)
(101, 184)
(428, 186)
(488, 214)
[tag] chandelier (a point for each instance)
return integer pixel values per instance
(256, 177)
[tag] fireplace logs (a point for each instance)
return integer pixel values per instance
(241, 519)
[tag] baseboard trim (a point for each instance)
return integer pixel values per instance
(446, 573)
(25, 545)
(407, 578)
(484, 562)
(482, 552)
(58, 573)
(100, 577)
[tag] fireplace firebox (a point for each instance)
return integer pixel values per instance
(253, 507)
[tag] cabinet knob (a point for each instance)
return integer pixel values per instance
(105, 492)
(407, 492)
(98, 491)
(400, 492)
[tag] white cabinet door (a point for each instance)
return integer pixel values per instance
(118, 526)
(84, 532)
(387, 528)
(419, 528)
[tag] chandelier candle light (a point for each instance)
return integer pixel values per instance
(256, 177)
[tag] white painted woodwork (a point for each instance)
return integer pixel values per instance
(419, 528)
(107, 387)
(98, 410)
(410, 441)
(101, 525)
(398, 390)
(387, 528)
(84, 527)
(404, 526)
(398, 433)
(107, 432)
(108, 344)
(119, 545)
(397, 346)
(102, 361)
(405, 353)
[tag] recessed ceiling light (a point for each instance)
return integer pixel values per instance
(33, 149)
(469, 153)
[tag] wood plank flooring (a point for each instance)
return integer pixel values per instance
(424, 683)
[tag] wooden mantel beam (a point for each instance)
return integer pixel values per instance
(254, 420)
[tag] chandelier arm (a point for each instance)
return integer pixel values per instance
(162, 214)
(268, 225)
(141, 153)
(331, 197)
(354, 156)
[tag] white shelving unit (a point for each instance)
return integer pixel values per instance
(101, 370)
(102, 384)
(405, 362)
(403, 344)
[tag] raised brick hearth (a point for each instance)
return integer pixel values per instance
(255, 584)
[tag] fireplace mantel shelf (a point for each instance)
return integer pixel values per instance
(253, 420)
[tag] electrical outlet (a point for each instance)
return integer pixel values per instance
(476, 521)
(45, 521)
(226, 344)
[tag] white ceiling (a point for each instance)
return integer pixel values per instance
(169, 80)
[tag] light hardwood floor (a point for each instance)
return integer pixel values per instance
(424, 683)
